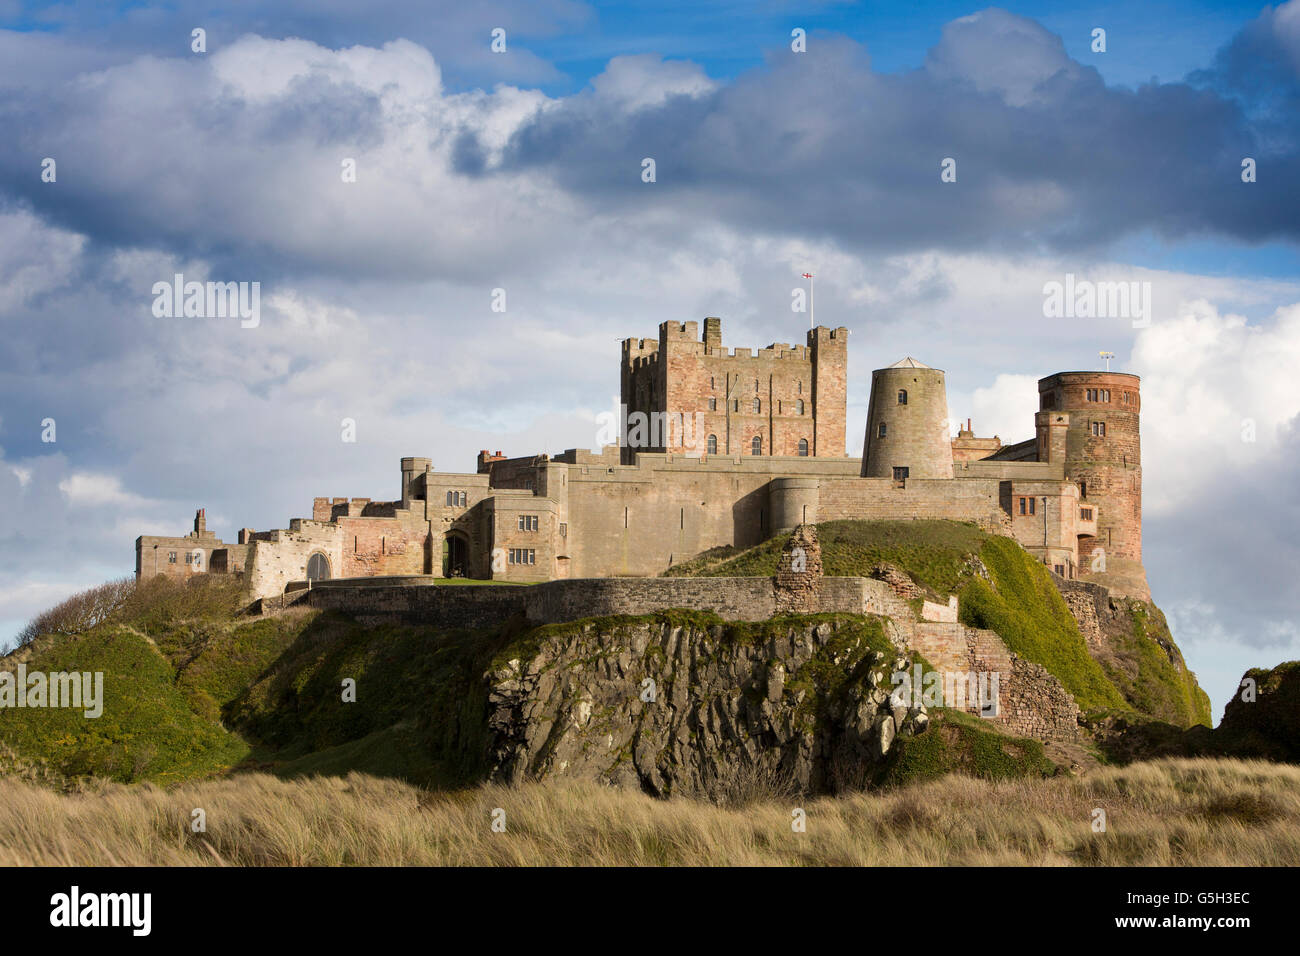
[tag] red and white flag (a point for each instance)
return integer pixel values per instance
(807, 275)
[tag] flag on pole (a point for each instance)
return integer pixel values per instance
(807, 275)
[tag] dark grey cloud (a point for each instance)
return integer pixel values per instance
(1048, 157)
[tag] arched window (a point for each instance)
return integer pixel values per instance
(450, 500)
(713, 444)
(756, 446)
(318, 567)
(803, 448)
(902, 396)
(880, 433)
(758, 406)
(798, 407)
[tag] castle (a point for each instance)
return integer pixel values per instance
(727, 447)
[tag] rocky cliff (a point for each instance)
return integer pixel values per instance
(690, 706)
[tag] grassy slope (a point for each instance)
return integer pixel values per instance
(147, 731)
(1160, 688)
(1020, 603)
(171, 659)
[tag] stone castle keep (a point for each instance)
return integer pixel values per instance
(756, 446)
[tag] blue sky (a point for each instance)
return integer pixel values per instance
(480, 170)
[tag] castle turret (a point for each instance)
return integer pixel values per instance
(412, 470)
(907, 423)
(1103, 455)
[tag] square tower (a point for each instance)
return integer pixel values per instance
(687, 394)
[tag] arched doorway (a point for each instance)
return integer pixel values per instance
(456, 557)
(318, 567)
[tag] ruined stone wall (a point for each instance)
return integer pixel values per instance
(278, 557)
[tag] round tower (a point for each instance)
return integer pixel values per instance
(793, 502)
(907, 423)
(1103, 455)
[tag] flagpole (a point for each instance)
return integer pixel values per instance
(812, 304)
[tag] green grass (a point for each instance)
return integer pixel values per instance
(957, 742)
(148, 729)
(934, 553)
(1023, 606)
(1161, 688)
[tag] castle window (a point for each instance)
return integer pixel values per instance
(901, 472)
(564, 529)
(758, 406)
(189, 558)
(713, 404)
(801, 386)
(1085, 514)
(1060, 569)
(171, 557)
(798, 406)
(1083, 489)
(528, 522)
(1023, 507)
(523, 556)
(756, 445)
(880, 432)
(755, 386)
(902, 396)
(803, 448)
(1099, 429)
(713, 444)
(1031, 505)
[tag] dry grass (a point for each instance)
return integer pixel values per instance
(1172, 812)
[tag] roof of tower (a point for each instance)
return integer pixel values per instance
(908, 362)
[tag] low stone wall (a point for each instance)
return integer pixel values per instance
(418, 600)
(735, 599)
(408, 601)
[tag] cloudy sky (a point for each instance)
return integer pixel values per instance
(521, 170)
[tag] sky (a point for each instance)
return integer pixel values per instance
(522, 171)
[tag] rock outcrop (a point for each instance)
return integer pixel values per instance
(1263, 716)
(689, 706)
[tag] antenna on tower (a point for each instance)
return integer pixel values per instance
(1107, 356)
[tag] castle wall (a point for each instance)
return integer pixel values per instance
(641, 519)
(975, 500)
